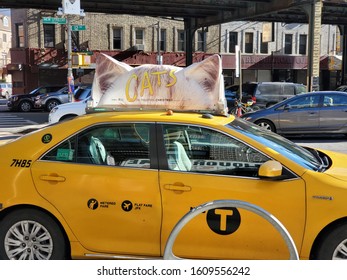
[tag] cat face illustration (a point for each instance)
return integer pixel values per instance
(199, 86)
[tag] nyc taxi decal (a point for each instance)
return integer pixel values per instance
(223, 221)
(126, 205)
(46, 138)
(25, 163)
(94, 204)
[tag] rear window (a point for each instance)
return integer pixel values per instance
(82, 93)
(269, 89)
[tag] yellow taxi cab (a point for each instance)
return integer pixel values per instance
(114, 185)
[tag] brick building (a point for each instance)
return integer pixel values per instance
(5, 45)
(39, 50)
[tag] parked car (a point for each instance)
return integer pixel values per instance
(5, 90)
(25, 102)
(266, 94)
(82, 92)
(67, 111)
(321, 112)
(48, 101)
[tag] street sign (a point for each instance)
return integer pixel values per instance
(51, 20)
(78, 27)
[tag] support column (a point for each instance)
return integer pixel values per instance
(189, 31)
(314, 12)
(343, 31)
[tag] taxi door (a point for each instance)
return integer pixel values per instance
(113, 206)
(223, 168)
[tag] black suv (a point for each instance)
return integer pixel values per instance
(268, 93)
(25, 102)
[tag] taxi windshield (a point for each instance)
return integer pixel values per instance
(278, 143)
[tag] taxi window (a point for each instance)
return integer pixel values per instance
(196, 149)
(124, 145)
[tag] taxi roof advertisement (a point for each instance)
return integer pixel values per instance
(198, 87)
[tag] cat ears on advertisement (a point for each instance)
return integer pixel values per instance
(196, 88)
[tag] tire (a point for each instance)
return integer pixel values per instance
(25, 106)
(267, 125)
(333, 246)
(31, 235)
(51, 104)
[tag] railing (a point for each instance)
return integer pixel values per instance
(168, 254)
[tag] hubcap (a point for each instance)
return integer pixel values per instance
(28, 240)
(265, 126)
(340, 252)
(52, 105)
(25, 107)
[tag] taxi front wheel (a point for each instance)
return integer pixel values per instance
(31, 235)
(334, 245)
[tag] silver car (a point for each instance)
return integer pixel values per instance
(307, 113)
(51, 100)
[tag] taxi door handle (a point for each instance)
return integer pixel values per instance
(52, 178)
(177, 187)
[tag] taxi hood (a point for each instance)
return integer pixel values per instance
(338, 169)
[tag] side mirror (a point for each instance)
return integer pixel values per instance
(271, 170)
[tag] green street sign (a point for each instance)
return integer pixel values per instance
(50, 20)
(78, 27)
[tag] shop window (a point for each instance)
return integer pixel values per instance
(20, 35)
(288, 44)
(163, 40)
(49, 35)
(232, 41)
(139, 37)
(302, 44)
(75, 40)
(117, 38)
(201, 41)
(181, 42)
(263, 45)
(248, 42)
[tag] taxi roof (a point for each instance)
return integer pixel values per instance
(158, 116)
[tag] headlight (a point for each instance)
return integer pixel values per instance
(14, 98)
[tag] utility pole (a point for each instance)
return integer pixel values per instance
(70, 77)
(159, 57)
(70, 8)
